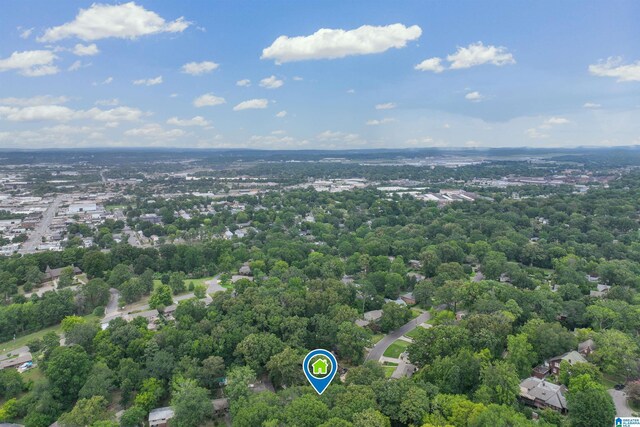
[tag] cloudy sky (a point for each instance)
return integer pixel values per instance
(330, 74)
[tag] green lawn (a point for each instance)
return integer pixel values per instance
(388, 371)
(376, 338)
(396, 349)
(24, 339)
(609, 381)
(414, 333)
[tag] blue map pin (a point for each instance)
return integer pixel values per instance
(319, 366)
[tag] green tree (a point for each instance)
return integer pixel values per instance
(371, 418)
(285, 368)
(150, 394)
(11, 384)
(191, 404)
(615, 353)
(520, 354)
(86, 412)
(67, 370)
(133, 417)
(66, 278)
(257, 349)
(588, 403)
(161, 297)
(365, 374)
(306, 411)
(211, 372)
(393, 316)
(351, 341)
(94, 263)
(99, 382)
(500, 384)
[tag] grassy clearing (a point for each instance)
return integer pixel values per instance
(376, 338)
(25, 339)
(396, 349)
(414, 333)
(415, 312)
(388, 371)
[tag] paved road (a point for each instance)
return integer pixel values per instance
(381, 346)
(110, 314)
(35, 238)
(620, 400)
(112, 305)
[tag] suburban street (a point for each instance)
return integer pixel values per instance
(35, 238)
(378, 350)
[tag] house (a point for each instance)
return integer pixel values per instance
(159, 417)
(245, 270)
(542, 394)
(408, 298)
(415, 264)
(220, 407)
(601, 291)
(373, 315)
(541, 371)
(320, 367)
(571, 357)
(585, 348)
(54, 273)
(16, 361)
(416, 276)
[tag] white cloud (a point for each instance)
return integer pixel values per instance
(61, 113)
(25, 34)
(154, 130)
(108, 102)
(149, 82)
(386, 106)
(125, 21)
(243, 83)
(297, 78)
(271, 82)
(86, 50)
(251, 104)
(281, 114)
(556, 121)
(431, 64)
(106, 81)
(75, 66)
(337, 43)
(208, 100)
(591, 105)
(474, 96)
(534, 133)
(478, 54)
(31, 63)
(328, 135)
(376, 122)
(199, 68)
(195, 121)
(36, 100)
(614, 67)
(351, 91)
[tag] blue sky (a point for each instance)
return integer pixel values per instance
(330, 74)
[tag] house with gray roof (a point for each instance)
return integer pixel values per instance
(542, 394)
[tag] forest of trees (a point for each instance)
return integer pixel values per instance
(469, 370)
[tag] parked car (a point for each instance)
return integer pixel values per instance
(619, 386)
(25, 367)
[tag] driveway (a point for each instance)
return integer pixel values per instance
(620, 400)
(381, 346)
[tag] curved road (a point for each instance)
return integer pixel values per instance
(381, 346)
(620, 400)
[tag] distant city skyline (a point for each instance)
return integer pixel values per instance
(319, 75)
